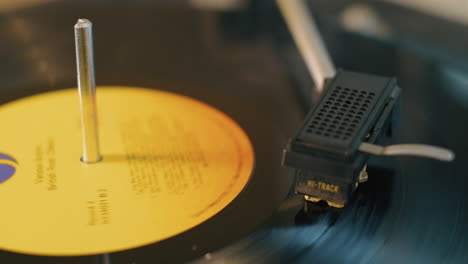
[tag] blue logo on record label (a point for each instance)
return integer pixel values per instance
(7, 167)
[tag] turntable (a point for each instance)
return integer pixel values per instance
(191, 146)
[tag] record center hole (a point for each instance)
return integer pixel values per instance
(91, 162)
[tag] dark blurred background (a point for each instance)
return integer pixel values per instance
(418, 41)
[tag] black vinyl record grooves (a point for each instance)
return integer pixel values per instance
(411, 210)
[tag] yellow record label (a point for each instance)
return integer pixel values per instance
(169, 164)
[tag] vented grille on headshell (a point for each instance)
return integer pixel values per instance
(341, 113)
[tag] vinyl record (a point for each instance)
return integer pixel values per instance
(82, 209)
(168, 164)
(266, 121)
